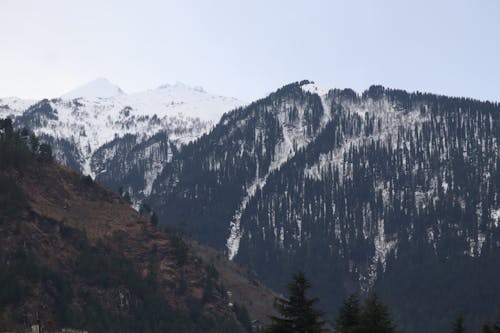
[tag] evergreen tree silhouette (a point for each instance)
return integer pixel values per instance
(375, 317)
(349, 315)
(298, 314)
(458, 325)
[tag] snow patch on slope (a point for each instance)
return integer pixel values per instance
(99, 112)
(13, 106)
(294, 139)
(495, 216)
(314, 88)
(235, 233)
(390, 119)
(156, 167)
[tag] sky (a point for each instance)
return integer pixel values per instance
(246, 49)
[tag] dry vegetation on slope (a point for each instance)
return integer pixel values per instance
(77, 254)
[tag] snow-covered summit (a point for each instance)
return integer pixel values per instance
(98, 88)
(99, 112)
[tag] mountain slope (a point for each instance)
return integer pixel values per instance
(87, 127)
(76, 255)
(386, 190)
(380, 191)
(274, 137)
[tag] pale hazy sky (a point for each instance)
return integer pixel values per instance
(248, 48)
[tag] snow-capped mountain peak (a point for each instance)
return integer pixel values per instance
(100, 115)
(98, 88)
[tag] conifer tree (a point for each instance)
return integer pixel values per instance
(154, 219)
(492, 328)
(298, 314)
(375, 317)
(349, 315)
(144, 209)
(45, 151)
(458, 325)
(6, 126)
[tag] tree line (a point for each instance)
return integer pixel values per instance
(17, 147)
(299, 314)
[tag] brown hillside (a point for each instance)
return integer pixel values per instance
(242, 285)
(68, 216)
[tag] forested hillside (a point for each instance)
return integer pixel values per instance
(390, 191)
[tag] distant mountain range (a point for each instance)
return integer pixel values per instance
(100, 130)
(381, 190)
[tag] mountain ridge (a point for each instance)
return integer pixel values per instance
(86, 132)
(381, 190)
(346, 187)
